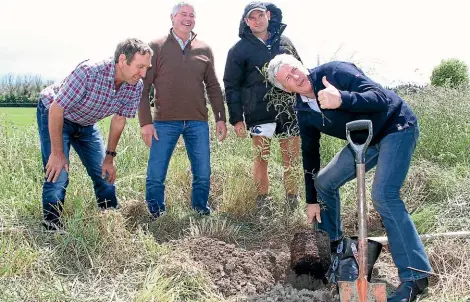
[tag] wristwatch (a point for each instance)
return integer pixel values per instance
(112, 153)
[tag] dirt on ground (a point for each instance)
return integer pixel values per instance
(244, 275)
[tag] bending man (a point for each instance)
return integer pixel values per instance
(329, 96)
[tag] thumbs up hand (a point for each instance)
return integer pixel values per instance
(329, 98)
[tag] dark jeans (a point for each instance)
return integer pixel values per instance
(196, 139)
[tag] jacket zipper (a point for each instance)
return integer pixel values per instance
(324, 117)
(184, 49)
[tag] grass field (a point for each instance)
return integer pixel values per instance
(122, 256)
(18, 116)
(26, 117)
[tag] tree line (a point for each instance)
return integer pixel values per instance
(21, 90)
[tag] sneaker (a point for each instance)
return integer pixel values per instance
(292, 201)
(409, 290)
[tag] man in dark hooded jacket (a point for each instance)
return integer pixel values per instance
(254, 104)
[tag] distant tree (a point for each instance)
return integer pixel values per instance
(8, 84)
(450, 73)
(21, 88)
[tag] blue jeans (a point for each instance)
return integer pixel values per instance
(196, 139)
(88, 143)
(392, 155)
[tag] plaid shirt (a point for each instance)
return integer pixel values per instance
(88, 94)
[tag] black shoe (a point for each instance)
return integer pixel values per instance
(156, 215)
(53, 225)
(408, 291)
(104, 205)
(203, 212)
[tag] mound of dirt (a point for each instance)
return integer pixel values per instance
(246, 274)
(233, 270)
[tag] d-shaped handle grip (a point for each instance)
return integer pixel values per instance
(359, 149)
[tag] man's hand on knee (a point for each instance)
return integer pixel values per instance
(54, 166)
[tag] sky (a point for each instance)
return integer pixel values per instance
(395, 42)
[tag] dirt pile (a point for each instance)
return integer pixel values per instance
(250, 275)
(234, 270)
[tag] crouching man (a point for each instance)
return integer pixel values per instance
(67, 114)
(328, 97)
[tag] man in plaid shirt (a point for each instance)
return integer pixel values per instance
(67, 114)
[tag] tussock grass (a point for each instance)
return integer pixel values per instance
(445, 127)
(449, 259)
(220, 228)
(177, 278)
(17, 254)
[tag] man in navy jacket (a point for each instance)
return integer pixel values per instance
(246, 92)
(328, 97)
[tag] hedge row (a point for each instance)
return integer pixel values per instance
(11, 99)
(18, 104)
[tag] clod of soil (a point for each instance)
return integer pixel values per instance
(310, 253)
(239, 273)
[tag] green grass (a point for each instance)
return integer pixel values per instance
(15, 117)
(128, 249)
(18, 116)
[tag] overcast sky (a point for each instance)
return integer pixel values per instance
(396, 41)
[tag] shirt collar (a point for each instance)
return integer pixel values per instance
(110, 73)
(180, 40)
(267, 41)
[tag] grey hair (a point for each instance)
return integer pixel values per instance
(130, 47)
(277, 62)
(179, 5)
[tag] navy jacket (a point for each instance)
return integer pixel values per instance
(361, 98)
(245, 86)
